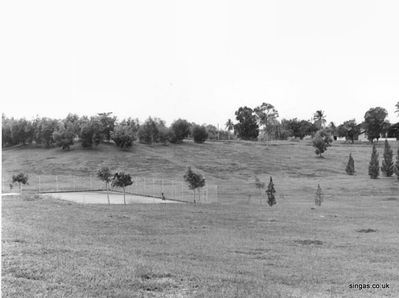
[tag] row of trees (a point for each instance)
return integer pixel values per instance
(388, 166)
(261, 122)
(258, 123)
(91, 131)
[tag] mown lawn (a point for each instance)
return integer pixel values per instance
(236, 248)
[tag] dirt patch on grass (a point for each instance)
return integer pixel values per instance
(391, 199)
(309, 242)
(366, 231)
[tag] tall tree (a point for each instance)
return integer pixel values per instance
(229, 126)
(266, 115)
(387, 166)
(349, 130)
(247, 127)
(319, 118)
(374, 122)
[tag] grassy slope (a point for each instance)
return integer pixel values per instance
(57, 248)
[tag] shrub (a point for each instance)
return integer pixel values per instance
(199, 134)
(374, 165)
(350, 167)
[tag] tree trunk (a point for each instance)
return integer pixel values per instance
(124, 197)
(106, 185)
(199, 195)
(194, 196)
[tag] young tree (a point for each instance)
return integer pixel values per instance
(21, 179)
(247, 127)
(321, 142)
(105, 175)
(319, 196)
(194, 181)
(350, 167)
(270, 193)
(199, 133)
(181, 130)
(374, 165)
(123, 180)
(387, 166)
(374, 123)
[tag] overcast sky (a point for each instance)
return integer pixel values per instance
(198, 60)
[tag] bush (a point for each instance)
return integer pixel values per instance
(153, 131)
(199, 134)
(374, 165)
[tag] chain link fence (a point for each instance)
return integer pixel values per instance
(152, 187)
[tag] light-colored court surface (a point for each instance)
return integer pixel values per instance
(101, 198)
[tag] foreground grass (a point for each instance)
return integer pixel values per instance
(61, 249)
(237, 248)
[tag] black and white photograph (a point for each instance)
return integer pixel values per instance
(199, 148)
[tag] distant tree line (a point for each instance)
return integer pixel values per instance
(259, 123)
(104, 127)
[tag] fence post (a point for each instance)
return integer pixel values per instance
(162, 185)
(56, 182)
(91, 187)
(38, 185)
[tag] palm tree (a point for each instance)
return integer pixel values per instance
(319, 119)
(229, 126)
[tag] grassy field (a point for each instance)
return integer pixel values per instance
(239, 247)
